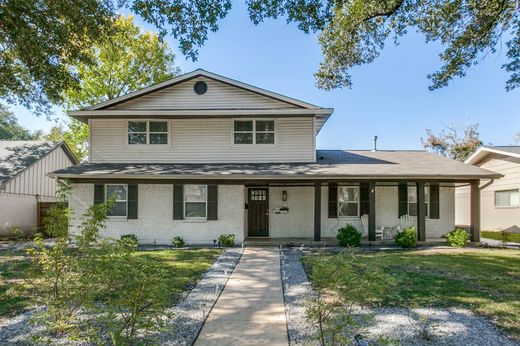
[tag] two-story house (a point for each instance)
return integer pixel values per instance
(201, 155)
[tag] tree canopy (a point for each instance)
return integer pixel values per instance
(128, 60)
(10, 130)
(451, 143)
(43, 40)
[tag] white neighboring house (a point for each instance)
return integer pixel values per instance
(201, 155)
(500, 200)
(24, 182)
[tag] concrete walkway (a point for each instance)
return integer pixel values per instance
(250, 310)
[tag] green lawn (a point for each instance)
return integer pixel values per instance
(486, 281)
(185, 266)
(498, 236)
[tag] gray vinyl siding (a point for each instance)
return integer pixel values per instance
(218, 96)
(202, 141)
(34, 179)
(493, 218)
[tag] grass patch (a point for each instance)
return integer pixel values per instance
(486, 281)
(498, 236)
(185, 267)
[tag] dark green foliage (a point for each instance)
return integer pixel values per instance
(10, 130)
(130, 239)
(227, 240)
(178, 242)
(348, 235)
(457, 238)
(407, 238)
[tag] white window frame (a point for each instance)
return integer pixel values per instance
(107, 197)
(426, 199)
(357, 187)
(254, 131)
(148, 132)
(506, 206)
(184, 201)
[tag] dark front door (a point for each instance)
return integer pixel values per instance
(258, 212)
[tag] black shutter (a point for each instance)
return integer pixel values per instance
(178, 202)
(99, 193)
(132, 201)
(333, 201)
(212, 202)
(434, 201)
(403, 199)
(364, 199)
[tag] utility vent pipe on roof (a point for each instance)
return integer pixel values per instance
(375, 143)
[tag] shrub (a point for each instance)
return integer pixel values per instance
(407, 238)
(130, 239)
(16, 232)
(348, 235)
(178, 242)
(226, 239)
(457, 238)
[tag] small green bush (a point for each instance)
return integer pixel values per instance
(178, 242)
(457, 238)
(407, 238)
(130, 239)
(226, 240)
(348, 235)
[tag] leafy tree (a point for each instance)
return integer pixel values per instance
(453, 145)
(354, 32)
(128, 60)
(10, 130)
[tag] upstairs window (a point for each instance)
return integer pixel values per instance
(507, 199)
(348, 201)
(147, 132)
(253, 132)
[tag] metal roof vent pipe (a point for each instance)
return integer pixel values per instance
(375, 143)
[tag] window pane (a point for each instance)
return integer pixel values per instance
(515, 199)
(195, 209)
(136, 138)
(412, 194)
(116, 191)
(412, 209)
(195, 193)
(348, 193)
(158, 126)
(265, 125)
(161, 138)
(243, 125)
(137, 126)
(348, 209)
(243, 138)
(265, 138)
(118, 209)
(507, 198)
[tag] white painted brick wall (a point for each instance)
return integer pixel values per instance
(155, 222)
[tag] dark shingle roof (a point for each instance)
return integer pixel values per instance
(329, 163)
(15, 156)
(515, 149)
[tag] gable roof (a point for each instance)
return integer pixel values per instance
(17, 156)
(330, 164)
(508, 150)
(202, 73)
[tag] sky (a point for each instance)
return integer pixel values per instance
(389, 98)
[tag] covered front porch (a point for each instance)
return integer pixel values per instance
(311, 212)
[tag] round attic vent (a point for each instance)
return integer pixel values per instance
(200, 87)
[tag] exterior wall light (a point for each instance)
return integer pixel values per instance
(284, 196)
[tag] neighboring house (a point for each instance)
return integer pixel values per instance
(24, 182)
(500, 200)
(201, 155)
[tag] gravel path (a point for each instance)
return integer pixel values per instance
(182, 329)
(452, 326)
